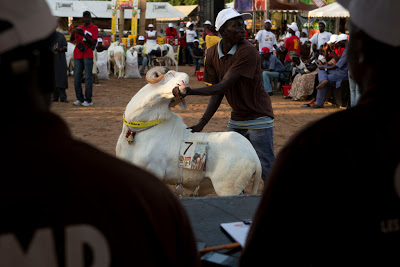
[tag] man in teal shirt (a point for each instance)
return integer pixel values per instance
(272, 67)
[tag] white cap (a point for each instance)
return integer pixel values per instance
(378, 19)
(189, 23)
(341, 37)
(304, 30)
(293, 27)
(267, 20)
(181, 30)
(151, 26)
(333, 39)
(323, 22)
(207, 22)
(141, 38)
(170, 25)
(99, 39)
(227, 14)
(196, 40)
(27, 27)
(245, 23)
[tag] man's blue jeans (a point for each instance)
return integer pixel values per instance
(354, 92)
(263, 143)
(144, 63)
(267, 76)
(81, 64)
(190, 46)
(198, 62)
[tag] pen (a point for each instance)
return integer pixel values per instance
(225, 246)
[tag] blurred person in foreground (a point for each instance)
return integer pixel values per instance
(347, 210)
(64, 202)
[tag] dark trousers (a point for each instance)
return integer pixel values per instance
(59, 93)
(81, 64)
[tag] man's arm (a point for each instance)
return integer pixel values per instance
(216, 91)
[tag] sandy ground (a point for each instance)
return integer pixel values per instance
(101, 124)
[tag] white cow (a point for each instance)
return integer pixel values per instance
(69, 55)
(231, 160)
(164, 52)
(116, 57)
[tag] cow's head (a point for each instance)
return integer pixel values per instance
(163, 80)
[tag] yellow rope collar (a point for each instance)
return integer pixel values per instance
(140, 124)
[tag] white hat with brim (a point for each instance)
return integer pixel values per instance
(196, 40)
(170, 25)
(378, 19)
(341, 37)
(26, 27)
(293, 27)
(207, 22)
(151, 26)
(333, 39)
(181, 30)
(141, 38)
(227, 14)
(267, 20)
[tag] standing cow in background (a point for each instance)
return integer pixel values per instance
(116, 57)
(161, 52)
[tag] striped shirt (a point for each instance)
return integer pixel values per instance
(259, 123)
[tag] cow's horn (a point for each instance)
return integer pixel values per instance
(155, 74)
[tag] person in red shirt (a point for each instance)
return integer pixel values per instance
(171, 31)
(292, 43)
(182, 47)
(85, 39)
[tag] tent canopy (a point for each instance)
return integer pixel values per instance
(334, 10)
(186, 10)
(103, 9)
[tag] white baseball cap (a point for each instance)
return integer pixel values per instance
(378, 19)
(26, 27)
(196, 40)
(188, 24)
(293, 27)
(181, 30)
(207, 22)
(151, 26)
(341, 37)
(227, 14)
(267, 20)
(333, 39)
(323, 22)
(170, 25)
(141, 38)
(99, 39)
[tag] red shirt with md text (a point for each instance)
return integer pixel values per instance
(88, 53)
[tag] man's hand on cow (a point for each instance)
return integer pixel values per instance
(180, 91)
(199, 126)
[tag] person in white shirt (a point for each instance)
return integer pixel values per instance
(190, 36)
(322, 37)
(266, 38)
(151, 35)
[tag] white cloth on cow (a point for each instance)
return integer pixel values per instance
(131, 69)
(102, 61)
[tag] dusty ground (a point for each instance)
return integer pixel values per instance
(101, 124)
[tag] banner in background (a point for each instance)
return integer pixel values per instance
(260, 5)
(134, 22)
(319, 3)
(114, 21)
(243, 5)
